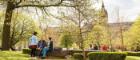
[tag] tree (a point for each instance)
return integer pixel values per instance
(66, 40)
(80, 18)
(11, 6)
(132, 35)
(83, 16)
(100, 32)
(21, 28)
(97, 35)
(1, 25)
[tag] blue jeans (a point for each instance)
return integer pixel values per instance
(44, 51)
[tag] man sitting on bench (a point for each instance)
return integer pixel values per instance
(50, 44)
(47, 48)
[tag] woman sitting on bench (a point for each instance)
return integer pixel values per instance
(42, 46)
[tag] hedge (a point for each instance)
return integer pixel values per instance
(71, 52)
(107, 56)
(78, 56)
(26, 51)
(132, 58)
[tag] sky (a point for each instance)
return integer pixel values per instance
(127, 10)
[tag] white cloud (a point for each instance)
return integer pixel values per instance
(128, 9)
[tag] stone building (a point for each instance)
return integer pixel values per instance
(117, 28)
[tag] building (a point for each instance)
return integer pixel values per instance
(117, 28)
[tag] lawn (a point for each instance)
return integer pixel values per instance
(13, 55)
(17, 55)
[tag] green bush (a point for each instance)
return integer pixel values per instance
(78, 56)
(107, 56)
(26, 51)
(132, 58)
(133, 53)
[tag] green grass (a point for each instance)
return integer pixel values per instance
(17, 55)
(13, 55)
(132, 58)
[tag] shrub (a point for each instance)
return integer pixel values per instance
(132, 58)
(26, 51)
(106, 56)
(78, 56)
(133, 53)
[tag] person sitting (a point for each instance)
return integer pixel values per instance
(44, 50)
(95, 47)
(90, 47)
(41, 46)
(50, 44)
(48, 48)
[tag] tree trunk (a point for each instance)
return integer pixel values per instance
(7, 25)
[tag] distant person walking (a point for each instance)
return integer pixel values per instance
(33, 41)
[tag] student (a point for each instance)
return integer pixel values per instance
(50, 44)
(33, 41)
(44, 52)
(40, 46)
(45, 49)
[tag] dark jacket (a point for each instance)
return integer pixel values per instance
(51, 46)
(42, 44)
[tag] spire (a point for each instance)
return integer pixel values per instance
(103, 14)
(103, 9)
(103, 4)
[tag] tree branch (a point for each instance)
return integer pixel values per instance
(42, 5)
(36, 5)
(19, 2)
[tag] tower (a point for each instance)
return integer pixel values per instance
(103, 15)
